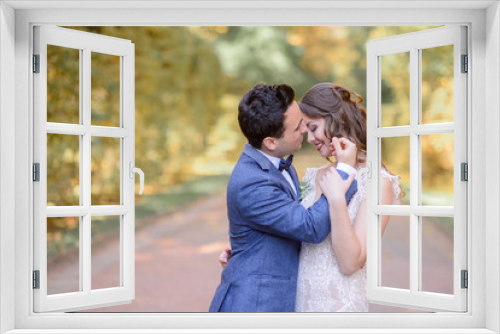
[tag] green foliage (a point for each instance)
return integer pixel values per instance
(263, 54)
(63, 91)
(178, 88)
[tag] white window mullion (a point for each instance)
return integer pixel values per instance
(108, 210)
(395, 131)
(80, 211)
(67, 129)
(80, 130)
(376, 176)
(415, 166)
(85, 163)
(127, 122)
(425, 129)
(428, 129)
(40, 156)
(406, 210)
(373, 156)
(460, 156)
(102, 131)
(123, 173)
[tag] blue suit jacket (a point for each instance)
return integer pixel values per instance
(267, 225)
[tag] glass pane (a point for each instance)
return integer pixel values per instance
(105, 171)
(437, 169)
(395, 90)
(63, 170)
(63, 85)
(105, 252)
(395, 260)
(437, 84)
(396, 158)
(63, 255)
(105, 91)
(437, 254)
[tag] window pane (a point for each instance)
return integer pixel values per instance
(105, 171)
(437, 84)
(395, 89)
(437, 169)
(63, 85)
(437, 254)
(105, 91)
(63, 170)
(395, 260)
(396, 157)
(63, 246)
(105, 252)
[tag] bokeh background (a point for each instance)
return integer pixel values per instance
(188, 82)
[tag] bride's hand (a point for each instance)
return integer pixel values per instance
(224, 257)
(345, 150)
(333, 186)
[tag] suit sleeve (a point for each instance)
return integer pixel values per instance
(266, 207)
(353, 188)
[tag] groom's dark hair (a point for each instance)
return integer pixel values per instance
(261, 110)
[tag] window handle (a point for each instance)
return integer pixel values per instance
(133, 170)
(367, 170)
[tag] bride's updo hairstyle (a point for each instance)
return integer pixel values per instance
(343, 116)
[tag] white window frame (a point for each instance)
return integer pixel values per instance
(413, 44)
(85, 43)
(16, 21)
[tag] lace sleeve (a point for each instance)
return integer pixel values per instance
(362, 187)
(394, 179)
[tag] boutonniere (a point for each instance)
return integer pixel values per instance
(305, 188)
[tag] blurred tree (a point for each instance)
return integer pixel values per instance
(334, 54)
(178, 89)
(263, 54)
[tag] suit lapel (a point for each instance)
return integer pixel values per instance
(285, 182)
(295, 179)
(265, 164)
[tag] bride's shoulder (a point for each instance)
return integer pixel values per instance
(311, 173)
(392, 178)
(391, 183)
(320, 171)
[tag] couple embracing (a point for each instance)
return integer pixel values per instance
(289, 255)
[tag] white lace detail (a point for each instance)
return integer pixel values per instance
(321, 287)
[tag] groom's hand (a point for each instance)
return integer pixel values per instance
(345, 150)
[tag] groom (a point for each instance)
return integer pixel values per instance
(267, 223)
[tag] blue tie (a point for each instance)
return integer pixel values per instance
(285, 164)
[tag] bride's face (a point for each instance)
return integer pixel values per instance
(316, 136)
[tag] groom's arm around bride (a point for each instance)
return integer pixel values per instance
(267, 223)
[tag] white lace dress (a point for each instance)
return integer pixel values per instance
(321, 287)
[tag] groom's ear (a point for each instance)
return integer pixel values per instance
(269, 143)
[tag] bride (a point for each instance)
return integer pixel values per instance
(332, 274)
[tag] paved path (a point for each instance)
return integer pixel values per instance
(177, 268)
(176, 259)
